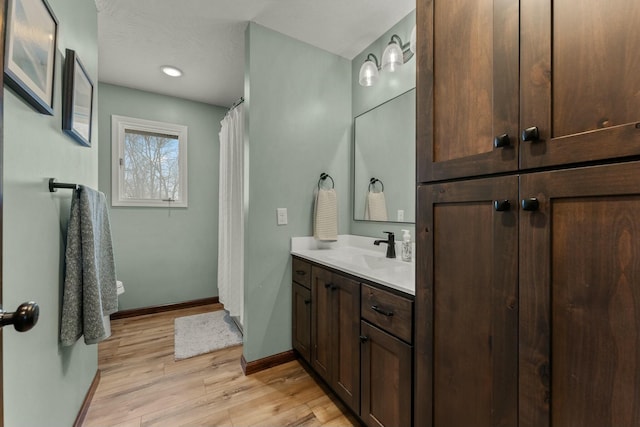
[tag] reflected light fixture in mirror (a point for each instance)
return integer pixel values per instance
(395, 54)
(171, 71)
(369, 71)
(412, 40)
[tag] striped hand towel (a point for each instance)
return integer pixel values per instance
(376, 207)
(325, 215)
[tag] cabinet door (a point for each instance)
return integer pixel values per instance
(467, 86)
(386, 379)
(302, 321)
(466, 303)
(580, 298)
(346, 344)
(580, 80)
(321, 322)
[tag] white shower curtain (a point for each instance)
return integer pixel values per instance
(231, 213)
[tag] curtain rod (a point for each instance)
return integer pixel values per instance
(238, 102)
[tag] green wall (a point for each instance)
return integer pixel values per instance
(389, 85)
(166, 256)
(299, 125)
(45, 384)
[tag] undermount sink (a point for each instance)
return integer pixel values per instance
(358, 256)
(374, 262)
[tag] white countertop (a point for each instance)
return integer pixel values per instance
(358, 256)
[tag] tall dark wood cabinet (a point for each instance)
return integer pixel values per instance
(335, 330)
(580, 297)
(528, 253)
(466, 312)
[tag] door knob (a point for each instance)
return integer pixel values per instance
(531, 134)
(530, 204)
(23, 319)
(501, 141)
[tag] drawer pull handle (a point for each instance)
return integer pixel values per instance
(381, 311)
(301, 272)
(364, 338)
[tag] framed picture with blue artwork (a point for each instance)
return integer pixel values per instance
(77, 99)
(30, 52)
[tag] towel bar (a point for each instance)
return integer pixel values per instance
(53, 185)
(324, 176)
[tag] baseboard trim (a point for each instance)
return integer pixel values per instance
(162, 308)
(267, 362)
(87, 400)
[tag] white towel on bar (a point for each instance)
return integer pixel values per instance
(325, 215)
(375, 208)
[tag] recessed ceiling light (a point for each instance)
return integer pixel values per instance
(171, 71)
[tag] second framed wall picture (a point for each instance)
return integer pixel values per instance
(30, 52)
(77, 99)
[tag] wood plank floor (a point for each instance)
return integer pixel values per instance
(142, 385)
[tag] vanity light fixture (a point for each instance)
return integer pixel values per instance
(171, 71)
(369, 71)
(395, 54)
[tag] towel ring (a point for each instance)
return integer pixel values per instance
(324, 176)
(373, 181)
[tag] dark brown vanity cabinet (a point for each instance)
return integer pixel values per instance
(509, 85)
(387, 356)
(335, 332)
(301, 304)
(361, 342)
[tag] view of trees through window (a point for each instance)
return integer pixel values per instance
(151, 166)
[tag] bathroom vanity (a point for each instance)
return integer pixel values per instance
(353, 324)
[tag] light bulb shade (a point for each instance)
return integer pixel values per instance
(368, 73)
(392, 57)
(412, 41)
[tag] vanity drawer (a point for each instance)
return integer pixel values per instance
(388, 311)
(301, 272)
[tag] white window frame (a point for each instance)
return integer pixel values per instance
(119, 125)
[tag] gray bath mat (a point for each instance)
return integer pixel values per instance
(203, 333)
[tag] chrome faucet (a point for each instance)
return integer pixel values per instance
(391, 242)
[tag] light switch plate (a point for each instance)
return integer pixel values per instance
(400, 215)
(282, 216)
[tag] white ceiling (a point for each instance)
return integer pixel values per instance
(205, 38)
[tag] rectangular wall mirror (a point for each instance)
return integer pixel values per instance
(384, 161)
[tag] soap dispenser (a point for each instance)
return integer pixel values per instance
(406, 246)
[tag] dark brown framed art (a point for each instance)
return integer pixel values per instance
(77, 99)
(30, 52)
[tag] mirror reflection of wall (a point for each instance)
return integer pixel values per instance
(384, 149)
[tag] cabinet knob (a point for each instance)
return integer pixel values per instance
(531, 134)
(530, 204)
(364, 338)
(501, 141)
(501, 205)
(330, 286)
(307, 301)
